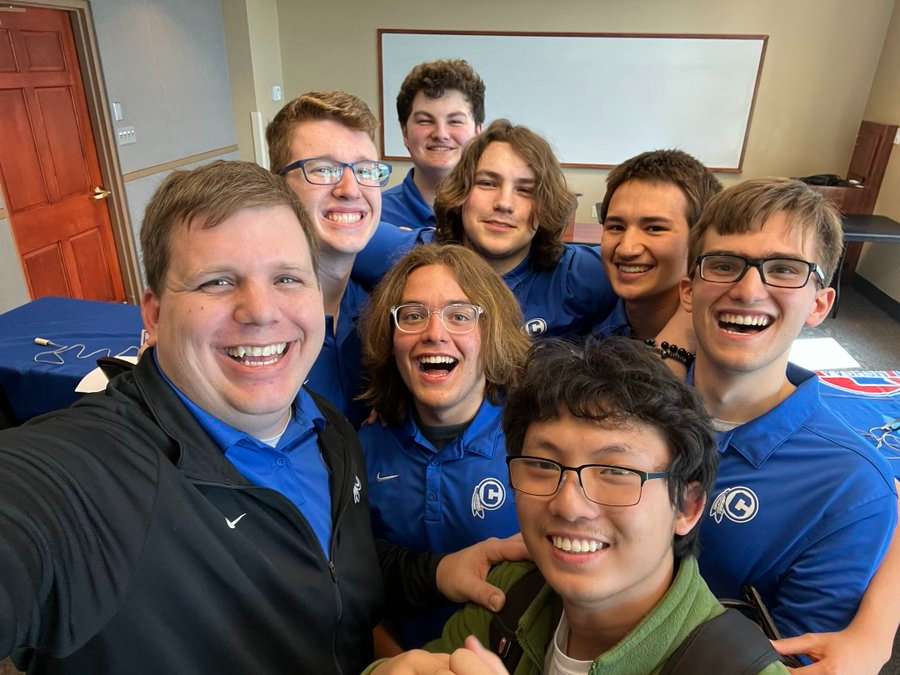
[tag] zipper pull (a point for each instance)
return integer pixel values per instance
(331, 569)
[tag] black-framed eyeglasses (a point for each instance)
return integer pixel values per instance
(604, 484)
(457, 317)
(721, 268)
(326, 171)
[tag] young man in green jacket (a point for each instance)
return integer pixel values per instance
(611, 459)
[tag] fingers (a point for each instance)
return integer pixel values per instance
(415, 662)
(475, 660)
(510, 548)
(808, 643)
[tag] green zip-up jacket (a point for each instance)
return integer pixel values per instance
(644, 651)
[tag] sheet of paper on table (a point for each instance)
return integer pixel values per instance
(96, 379)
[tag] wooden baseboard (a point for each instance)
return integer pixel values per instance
(877, 297)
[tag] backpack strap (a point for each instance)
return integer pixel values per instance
(502, 630)
(730, 644)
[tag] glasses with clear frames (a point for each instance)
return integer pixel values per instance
(457, 317)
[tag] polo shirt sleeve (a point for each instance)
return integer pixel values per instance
(387, 246)
(589, 293)
(822, 588)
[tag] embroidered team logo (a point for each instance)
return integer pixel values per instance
(489, 495)
(535, 327)
(738, 504)
(871, 383)
(357, 488)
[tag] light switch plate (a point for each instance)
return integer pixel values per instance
(126, 135)
(277, 93)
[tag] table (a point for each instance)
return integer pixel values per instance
(859, 228)
(32, 388)
(583, 233)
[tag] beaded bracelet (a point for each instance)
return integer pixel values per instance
(671, 351)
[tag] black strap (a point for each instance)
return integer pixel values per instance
(730, 644)
(502, 630)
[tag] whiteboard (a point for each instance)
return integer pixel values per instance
(597, 98)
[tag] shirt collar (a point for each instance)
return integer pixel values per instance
(422, 211)
(757, 439)
(616, 323)
(479, 438)
(519, 272)
(306, 415)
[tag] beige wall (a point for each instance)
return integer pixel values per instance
(818, 71)
(254, 61)
(880, 263)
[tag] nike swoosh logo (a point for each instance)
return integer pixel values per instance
(381, 478)
(232, 523)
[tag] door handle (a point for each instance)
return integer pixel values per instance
(100, 193)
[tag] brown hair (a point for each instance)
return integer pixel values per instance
(214, 192)
(748, 205)
(553, 203)
(337, 106)
(696, 182)
(434, 79)
(503, 342)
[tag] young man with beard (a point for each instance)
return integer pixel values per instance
(323, 143)
(803, 508)
(206, 514)
(440, 107)
(611, 459)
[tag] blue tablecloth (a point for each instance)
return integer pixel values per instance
(33, 388)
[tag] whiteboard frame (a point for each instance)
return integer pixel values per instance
(386, 114)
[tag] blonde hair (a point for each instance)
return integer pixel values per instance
(338, 106)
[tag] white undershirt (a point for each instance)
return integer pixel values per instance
(557, 662)
(723, 425)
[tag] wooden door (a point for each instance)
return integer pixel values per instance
(48, 162)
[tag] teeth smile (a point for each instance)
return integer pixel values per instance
(344, 218)
(577, 545)
(745, 319)
(251, 355)
(633, 269)
(438, 359)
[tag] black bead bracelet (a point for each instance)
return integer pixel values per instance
(671, 351)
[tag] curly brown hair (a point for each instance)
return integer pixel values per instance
(437, 77)
(554, 204)
(503, 342)
(338, 106)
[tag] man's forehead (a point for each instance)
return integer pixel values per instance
(779, 233)
(332, 139)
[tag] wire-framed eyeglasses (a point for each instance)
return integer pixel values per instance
(326, 171)
(721, 268)
(457, 317)
(604, 484)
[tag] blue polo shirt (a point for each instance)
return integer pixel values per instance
(614, 324)
(566, 301)
(438, 500)
(337, 374)
(294, 468)
(802, 508)
(404, 206)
